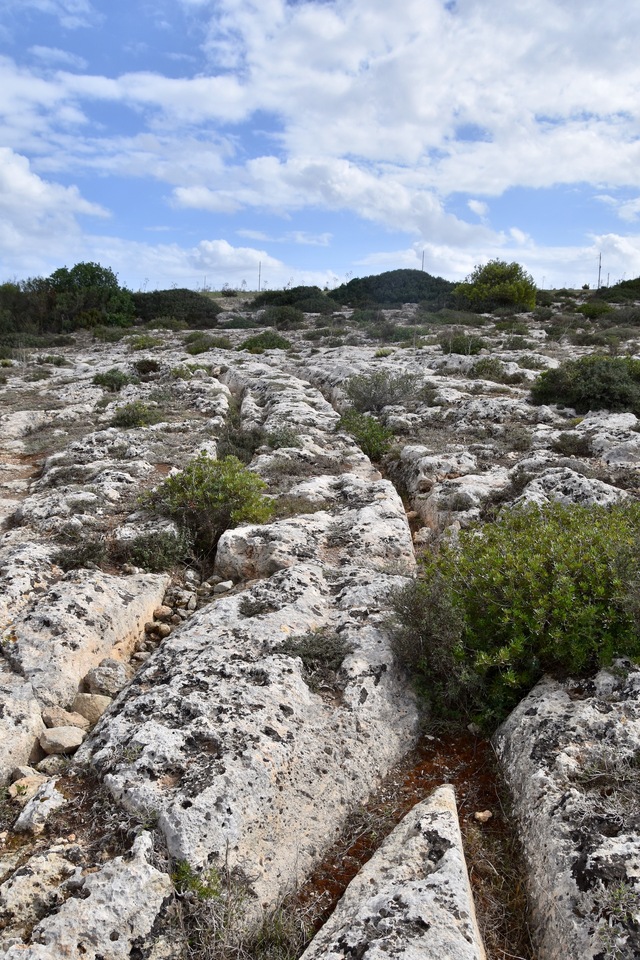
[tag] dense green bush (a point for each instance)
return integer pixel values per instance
(83, 296)
(372, 437)
(394, 287)
(197, 343)
(155, 552)
(112, 380)
(186, 306)
(290, 297)
(372, 392)
(538, 591)
(265, 341)
(135, 414)
(463, 343)
(282, 318)
(496, 284)
(591, 383)
(210, 496)
(594, 309)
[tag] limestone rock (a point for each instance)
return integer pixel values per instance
(75, 625)
(24, 788)
(119, 906)
(563, 485)
(91, 706)
(61, 739)
(57, 717)
(108, 678)
(412, 899)
(20, 724)
(31, 893)
(221, 734)
(569, 753)
(38, 809)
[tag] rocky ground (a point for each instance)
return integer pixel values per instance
(164, 728)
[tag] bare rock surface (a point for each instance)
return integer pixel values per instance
(412, 899)
(117, 910)
(76, 625)
(570, 755)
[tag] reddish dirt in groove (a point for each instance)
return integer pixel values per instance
(465, 761)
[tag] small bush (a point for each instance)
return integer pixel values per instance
(135, 414)
(375, 391)
(210, 496)
(322, 653)
(201, 342)
(591, 383)
(462, 343)
(371, 436)
(265, 341)
(147, 365)
(283, 437)
(113, 380)
(240, 442)
(87, 553)
(572, 445)
(144, 341)
(489, 368)
(282, 318)
(186, 306)
(497, 284)
(530, 362)
(594, 309)
(155, 552)
(535, 592)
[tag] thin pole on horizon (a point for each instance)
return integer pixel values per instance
(259, 273)
(599, 269)
(423, 261)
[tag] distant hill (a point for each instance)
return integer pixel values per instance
(394, 287)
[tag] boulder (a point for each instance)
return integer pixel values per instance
(91, 706)
(20, 724)
(61, 739)
(108, 678)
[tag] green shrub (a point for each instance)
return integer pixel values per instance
(112, 380)
(89, 552)
(135, 414)
(535, 592)
(240, 323)
(282, 318)
(283, 437)
(265, 341)
(186, 306)
(240, 442)
(497, 284)
(463, 343)
(210, 496)
(488, 368)
(155, 552)
(572, 444)
(591, 383)
(146, 366)
(530, 362)
(371, 436)
(594, 309)
(322, 653)
(375, 391)
(394, 287)
(144, 341)
(201, 342)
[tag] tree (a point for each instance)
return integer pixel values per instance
(88, 294)
(496, 284)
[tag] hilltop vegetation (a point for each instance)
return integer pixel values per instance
(394, 287)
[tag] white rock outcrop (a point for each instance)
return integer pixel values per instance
(412, 899)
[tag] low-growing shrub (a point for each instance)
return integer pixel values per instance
(375, 391)
(210, 496)
(572, 444)
(551, 590)
(372, 437)
(201, 342)
(283, 437)
(112, 380)
(90, 552)
(463, 343)
(282, 318)
(265, 341)
(154, 552)
(595, 382)
(135, 414)
(322, 653)
(594, 309)
(146, 366)
(144, 341)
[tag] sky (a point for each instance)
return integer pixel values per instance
(201, 143)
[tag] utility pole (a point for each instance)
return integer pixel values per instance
(259, 273)
(599, 269)
(423, 261)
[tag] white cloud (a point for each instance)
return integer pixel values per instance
(33, 211)
(52, 56)
(71, 13)
(479, 207)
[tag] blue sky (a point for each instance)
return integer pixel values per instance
(190, 141)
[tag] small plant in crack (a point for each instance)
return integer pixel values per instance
(322, 653)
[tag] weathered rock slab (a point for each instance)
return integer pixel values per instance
(412, 900)
(570, 756)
